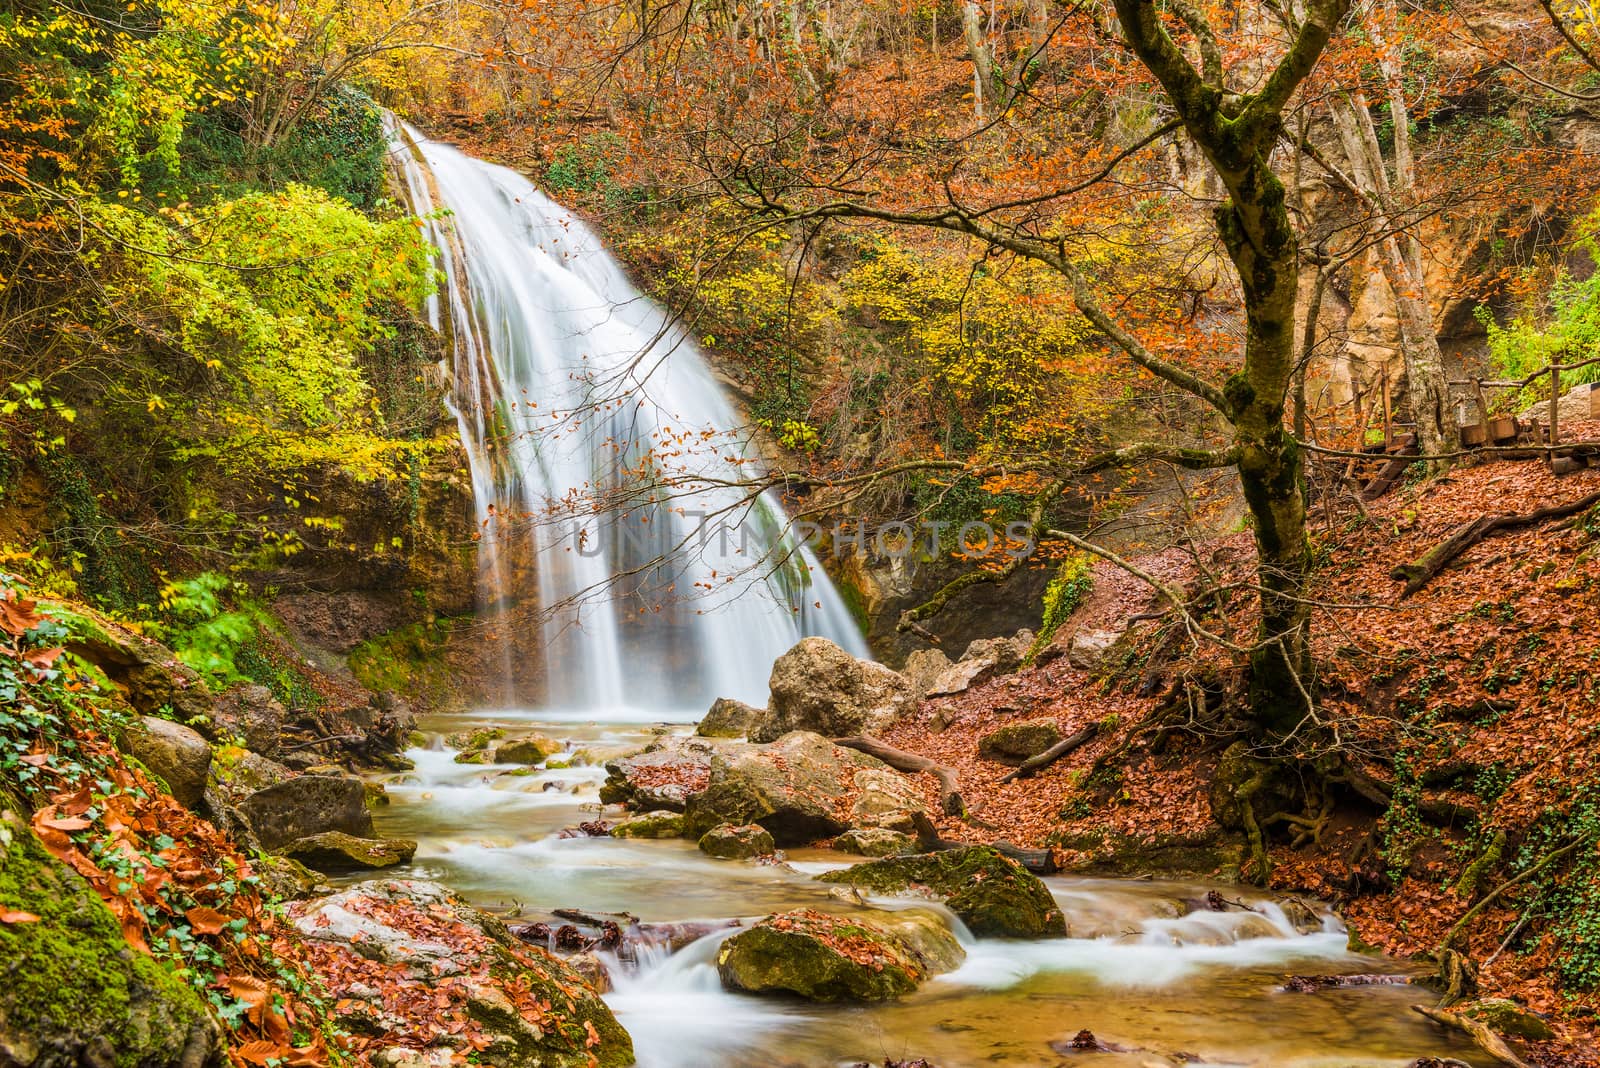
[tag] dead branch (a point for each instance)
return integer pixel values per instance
(1033, 765)
(1417, 574)
(899, 759)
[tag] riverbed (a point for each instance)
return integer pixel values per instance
(1161, 980)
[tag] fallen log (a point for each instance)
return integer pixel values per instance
(1419, 572)
(1487, 1040)
(950, 802)
(929, 840)
(1033, 765)
(1310, 984)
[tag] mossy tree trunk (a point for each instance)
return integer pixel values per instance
(1237, 133)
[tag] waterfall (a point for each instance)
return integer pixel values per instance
(605, 455)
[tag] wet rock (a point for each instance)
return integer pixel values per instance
(289, 879)
(886, 799)
(475, 746)
(817, 686)
(728, 718)
(874, 842)
(1210, 853)
(824, 958)
(728, 842)
(789, 787)
(251, 714)
(178, 754)
(993, 894)
(1016, 742)
(441, 959)
(307, 805)
(1087, 649)
(73, 991)
(334, 851)
(240, 773)
(660, 824)
(664, 776)
(528, 749)
(593, 970)
(1508, 1018)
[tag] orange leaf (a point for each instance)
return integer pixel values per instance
(17, 916)
(204, 920)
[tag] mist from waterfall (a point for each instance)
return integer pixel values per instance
(604, 452)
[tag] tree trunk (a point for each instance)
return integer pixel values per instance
(982, 58)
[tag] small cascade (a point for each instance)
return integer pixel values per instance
(606, 461)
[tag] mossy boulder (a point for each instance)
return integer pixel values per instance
(475, 746)
(1016, 742)
(663, 776)
(874, 842)
(335, 851)
(528, 749)
(1508, 1018)
(830, 958)
(728, 842)
(817, 686)
(994, 895)
(660, 824)
(72, 992)
(728, 718)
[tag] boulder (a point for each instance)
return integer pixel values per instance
(1576, 405)
(817, 686)
(1016, 742)
(924, 666)
(73, 992)
(1087, 649)
(475, 746)
(874, 842)
(830, 958)
(728, 842)
(985, 659)
(252, 715)
(288, 879)
(335, 851)
(529, 749)
(240, 773)
(179, 755)
(664, 776)
(886, 799)
(659, 824)
(441, 960)
(307, 805)
(994, 895)
(790, 787)
(728, 718)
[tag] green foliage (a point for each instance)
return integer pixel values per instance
(256, 311)
(1568, 895)
(1065, 592)
(1562, 328)
(587, 166)
(202, 630)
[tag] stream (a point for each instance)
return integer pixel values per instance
(1140, 969)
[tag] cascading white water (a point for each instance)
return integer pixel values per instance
(597, 432)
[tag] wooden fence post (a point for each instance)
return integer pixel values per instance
(1555, 403)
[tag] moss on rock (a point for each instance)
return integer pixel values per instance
(71, 989)
(993, 894)
(831, 958)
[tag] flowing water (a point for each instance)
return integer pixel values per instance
(605, 463)
(602, 447)
(1145, 967)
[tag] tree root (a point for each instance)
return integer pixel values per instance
(1487, 1040)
